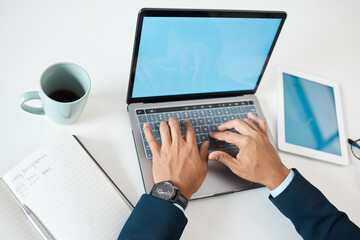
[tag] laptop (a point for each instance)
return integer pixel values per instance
(200, 65)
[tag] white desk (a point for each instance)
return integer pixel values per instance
(319, 37)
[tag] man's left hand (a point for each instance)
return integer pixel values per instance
(178, 159)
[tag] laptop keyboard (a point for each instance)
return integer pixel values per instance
(205, 119)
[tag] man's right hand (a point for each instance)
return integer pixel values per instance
(257, 160)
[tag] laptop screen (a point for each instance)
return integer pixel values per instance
(180, 56)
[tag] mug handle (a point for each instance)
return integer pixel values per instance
(30, 96)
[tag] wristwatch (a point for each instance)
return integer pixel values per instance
(168, 192)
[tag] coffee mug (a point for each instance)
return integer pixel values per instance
(64, 89)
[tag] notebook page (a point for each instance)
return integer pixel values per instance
(13, 223)
(62, 185)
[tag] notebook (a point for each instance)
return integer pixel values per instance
(67, 191)
(204, 66)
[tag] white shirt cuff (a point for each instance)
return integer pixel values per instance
(180, 207)
(276, 192)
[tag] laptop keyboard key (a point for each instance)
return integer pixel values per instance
(200, 121)
(213, 128)
(148, 154)
(234, 110)
(156, 134)
(186, 115)
(156, 126)
(217, 120)
(250, 109)
(160, 117)
(193, 122)
(214, 144)
(218, 112)
(142, 119)
(203, 113)
(151, 118)
(205, 129)
(209, 121)
(231, 145)
(168, 115)
(146, 145)
(226, 111)
(178, 115)
(224, 119)
(194, 114)
(197, 130)
(204, 137)
(210, 112)
(241, 109)
(182, 131)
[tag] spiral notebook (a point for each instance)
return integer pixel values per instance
(67, 190)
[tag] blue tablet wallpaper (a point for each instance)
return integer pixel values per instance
(310, 115)
(188, 55)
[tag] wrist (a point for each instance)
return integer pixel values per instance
(169, 192)
(277, 178)
(183, 191)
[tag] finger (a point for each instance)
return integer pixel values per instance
(165, 133)
(204, 151)
(261, 123)
(189, 132)
(230, 137)
(239, 125)
(224, 158)
(174, 129)
(251, 124)
(154, 146)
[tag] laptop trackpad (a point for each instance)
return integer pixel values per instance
(220, 179)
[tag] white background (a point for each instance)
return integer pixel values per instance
(319, 37)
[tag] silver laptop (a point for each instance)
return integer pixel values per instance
(200, 65)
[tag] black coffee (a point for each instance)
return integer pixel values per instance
(64, 95)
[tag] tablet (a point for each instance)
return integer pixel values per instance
(310, 120)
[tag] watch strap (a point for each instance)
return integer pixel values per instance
(180, 199)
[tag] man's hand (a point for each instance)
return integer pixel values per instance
(178, 160)
(257, 160)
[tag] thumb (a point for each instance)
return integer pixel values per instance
(222, 157)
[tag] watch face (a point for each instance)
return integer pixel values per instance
(164, 190)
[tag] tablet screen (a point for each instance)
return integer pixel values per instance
(310, 115)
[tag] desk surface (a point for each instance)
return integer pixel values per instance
(319, 37)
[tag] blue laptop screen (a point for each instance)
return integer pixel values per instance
(192, 55)
(310, 115)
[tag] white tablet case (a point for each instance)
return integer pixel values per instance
(304, 151)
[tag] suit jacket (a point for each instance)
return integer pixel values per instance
(313, 216)
(154, 218)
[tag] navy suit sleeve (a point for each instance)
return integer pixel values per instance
(154, 218)
(313, 216)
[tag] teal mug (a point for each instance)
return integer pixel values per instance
(64, 89)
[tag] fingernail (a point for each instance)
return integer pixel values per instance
(163, 122)
(212, 157)
(186, 122)
(145, 125)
